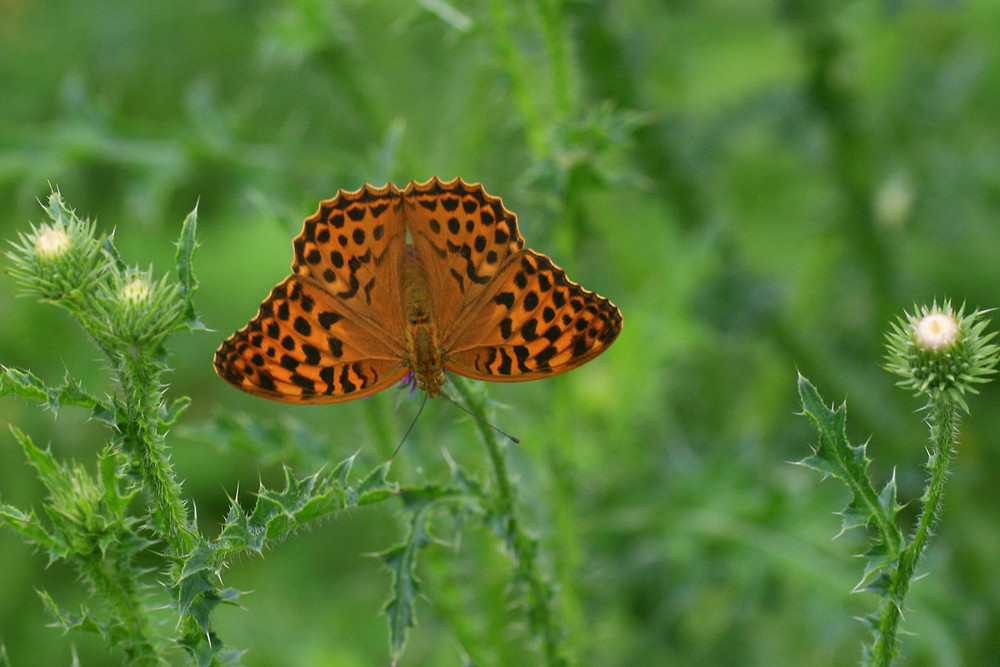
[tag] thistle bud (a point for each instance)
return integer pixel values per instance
(51, 243)
(941, 353)
(58, 260)
(936, 332)
(138, 310)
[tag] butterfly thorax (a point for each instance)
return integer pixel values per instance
(420, 336)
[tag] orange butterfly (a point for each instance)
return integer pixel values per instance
(431, 278)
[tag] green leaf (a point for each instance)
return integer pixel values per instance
(878, 560)
(195, 579)
(41, 460)
(375, 487)
(401, 559)
(170, 415)
(28, 525)
(186, 245)
(112, 253)
(26, 385)
(23, 384)
(834, 456)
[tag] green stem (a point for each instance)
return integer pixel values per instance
(943, 421)
(120, 593)
(144, 444)
(522, 547)
(523, 93)
(553, 28)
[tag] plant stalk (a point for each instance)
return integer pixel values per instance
(943, 421)
(523, 548)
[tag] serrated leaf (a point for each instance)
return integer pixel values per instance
(188, 284)
(28, 525)
(69, 621)
(170, 415)
(207, 650)
(23, 384)
(880, 585)
(887, 498)
(41, 460)
(191, 594)
(401, 560)
(836, 457)
(374, 487)
(112, 253)
(343, 470)
(26, 385)
(819, 464)
(853, 517)
(878, 559)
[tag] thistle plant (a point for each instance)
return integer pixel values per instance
(941, 355)
(128, 529)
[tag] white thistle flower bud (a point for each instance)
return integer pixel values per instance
(135, 291)
(936, 332)
(52, 242)
(942, 353)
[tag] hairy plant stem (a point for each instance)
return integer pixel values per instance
(943, 421)
(554, 32)
(142, 389)
(523, 92)
(119, 590)
(523, 548)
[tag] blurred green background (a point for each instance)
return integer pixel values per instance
(759, 186)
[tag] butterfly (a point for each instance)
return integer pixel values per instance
(387, 282)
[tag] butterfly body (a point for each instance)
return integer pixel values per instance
(420, 332)
(387, 282)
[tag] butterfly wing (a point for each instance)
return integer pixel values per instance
(304, 347)
(533, 322)
(463, 237)
(333, 330)
(504, 313)
(351, 248)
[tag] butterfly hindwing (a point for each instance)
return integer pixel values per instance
(305, 347)
(534, 323)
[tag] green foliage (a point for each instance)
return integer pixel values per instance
(91, 521)
(759, 186)
(961, 357)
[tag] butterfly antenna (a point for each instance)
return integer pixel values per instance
(412, 423)
(480, 419)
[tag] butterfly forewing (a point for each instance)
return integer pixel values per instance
(464, 237)
(351, 248)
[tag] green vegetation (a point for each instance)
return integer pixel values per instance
(760, 187)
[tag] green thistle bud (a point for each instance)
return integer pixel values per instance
(52, 243)
(138, 310)
(58, 260)
(941, 353)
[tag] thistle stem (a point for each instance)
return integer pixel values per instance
(943, 421)
(121, 594)
(522, 547)
(144, 443)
